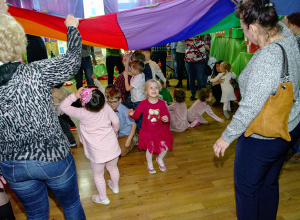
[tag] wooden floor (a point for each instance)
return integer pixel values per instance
(197, 185)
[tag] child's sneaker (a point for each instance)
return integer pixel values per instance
(115, 190)
(96, 199)
(161, 166)
(73, 145)
(73, 128)
(194, 124)
(151, 170)
(136, 139)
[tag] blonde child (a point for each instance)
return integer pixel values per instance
(127, 124)
(178, 112)
(196, 111)
(227, 89)
(98, 127)
(136, 86)
(155, 135)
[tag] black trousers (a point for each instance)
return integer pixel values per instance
(162, 56)
(111, 62)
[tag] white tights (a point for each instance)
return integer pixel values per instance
(226, 106)
(98, 171)
(160, 157)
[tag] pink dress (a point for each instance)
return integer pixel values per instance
(155, 135)
(196, 111)
(96, 130)
(178, 113)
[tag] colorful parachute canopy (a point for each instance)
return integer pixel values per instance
(138, 28)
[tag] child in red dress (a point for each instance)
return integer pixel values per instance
(155, 135)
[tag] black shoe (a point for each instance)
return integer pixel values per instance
(216, 104)
(193, 98)
(179, 85)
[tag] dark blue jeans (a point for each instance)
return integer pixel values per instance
(196, 71)
(174, 57)
(29, 179)
(87, 67)
(257, 168)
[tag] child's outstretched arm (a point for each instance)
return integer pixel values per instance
(216, 78)
(212, 114)
(127, 86)
(165, 115)
(157, 71)
(135, 114)
(131, 134)
(98, 84)
(66, 107)
(233, 75)
(126, 59)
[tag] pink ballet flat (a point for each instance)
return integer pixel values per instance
(151, 170)
(162, 166)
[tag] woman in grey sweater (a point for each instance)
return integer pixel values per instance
(258, 160)
(34, 152)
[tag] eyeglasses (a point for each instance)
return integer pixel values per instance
(113, 102)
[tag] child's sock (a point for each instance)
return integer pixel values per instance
(194, 124)
(149, 159)
(161, 156)
(226, 114)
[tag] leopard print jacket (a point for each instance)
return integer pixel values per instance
(29, 129)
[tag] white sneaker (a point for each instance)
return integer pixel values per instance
(96, 199)
(115, 190)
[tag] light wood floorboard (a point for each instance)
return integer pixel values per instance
(197, 185)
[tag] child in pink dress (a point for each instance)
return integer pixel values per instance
(98, 127)
(199, 107)
(178, 112)
(155, 135)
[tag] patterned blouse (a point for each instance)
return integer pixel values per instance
(195, 50)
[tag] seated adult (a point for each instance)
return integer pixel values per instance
(215, 86)
(35, 154)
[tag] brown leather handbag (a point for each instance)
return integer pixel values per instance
(272, 121)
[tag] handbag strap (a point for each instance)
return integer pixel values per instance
(285, 72)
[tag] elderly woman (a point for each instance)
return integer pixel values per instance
(34, 152)
(258, 160)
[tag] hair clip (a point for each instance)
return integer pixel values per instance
(86, 95)
(269, 4)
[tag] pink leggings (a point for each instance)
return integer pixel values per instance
(98, 171)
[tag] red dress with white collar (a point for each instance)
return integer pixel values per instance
(155, 135)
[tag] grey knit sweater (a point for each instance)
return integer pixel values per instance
(260, 79)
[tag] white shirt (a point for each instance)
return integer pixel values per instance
(138, 92)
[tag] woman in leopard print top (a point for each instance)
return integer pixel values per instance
(34, 152)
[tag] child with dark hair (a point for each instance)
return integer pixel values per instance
(127, 124)
(178, 112)
(196, 111)
(98, 130)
